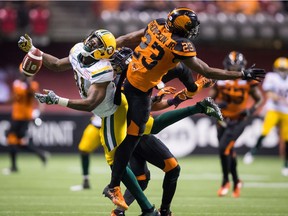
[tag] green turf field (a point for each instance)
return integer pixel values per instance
(38, 191)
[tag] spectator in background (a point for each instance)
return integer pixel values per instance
(23, 103)
(239, 6)
(276, 87)
(8, 19)
(4, 88)
(39, 17)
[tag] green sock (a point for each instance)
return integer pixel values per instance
(85, 163)
(164, 120)
(258, 145)
(132, 185)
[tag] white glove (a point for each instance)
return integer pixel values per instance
(49, 98)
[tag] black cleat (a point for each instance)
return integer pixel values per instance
(86, 184)
(117, 212)
(165, 212)
(155, 212)
(210, 108)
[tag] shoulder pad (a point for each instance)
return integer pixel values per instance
(184, 48)
(161, 21)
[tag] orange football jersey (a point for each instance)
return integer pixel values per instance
(235, 94)
(23, 99)
(158, 52)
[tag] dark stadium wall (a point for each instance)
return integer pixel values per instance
(192, 135)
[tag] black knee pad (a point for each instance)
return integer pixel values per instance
(172, 175)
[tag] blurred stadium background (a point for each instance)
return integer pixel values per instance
(257, 28)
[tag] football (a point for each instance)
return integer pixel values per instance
(32, 62)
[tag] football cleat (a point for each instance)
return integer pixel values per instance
(45, 157)
(284, 171)
(85, 186)
(223, 190)
(155, 212)
(248, 158)
(237, 189)
(117, 212)
(165, 212)
(210, 108)
(9, 171)
(115, 195)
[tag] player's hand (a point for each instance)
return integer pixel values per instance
(180, 96)
(253, 73)
(25, 43)
(165, 91)
(48, 98)
(247, 112)
(162, 92)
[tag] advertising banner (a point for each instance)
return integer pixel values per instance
(192, 135)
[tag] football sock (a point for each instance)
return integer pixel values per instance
(129, 198)
(258, 145)
(131, 183)
(121, 158)
(234, 170)
(33, 149)
(225, 168)
(166, 119)
(13, 156)
(169, 187)
(85, 161)
(286, 154)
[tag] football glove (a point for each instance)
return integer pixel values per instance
(49, 98)
(180, 96)
(253, 74)
(25, 43)
(162, 92)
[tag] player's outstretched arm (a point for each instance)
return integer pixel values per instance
(95, 96)
(130, 40)
(51, 62)
(201, 67)
(55, 64)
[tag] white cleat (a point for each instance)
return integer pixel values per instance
(284, 171)
(248, 158)
(76, 188)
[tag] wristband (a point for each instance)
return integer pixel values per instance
(174, 101)
(34, 48)
(63, 101)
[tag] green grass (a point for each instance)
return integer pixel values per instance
(38, 191)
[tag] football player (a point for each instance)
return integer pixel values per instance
(109, 143)
(161, 46)
(89, 142)
(94, 77)
(232, 96)
(276, 87)
(23, 105)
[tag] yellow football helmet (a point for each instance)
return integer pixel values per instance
(281, 64)
(100, 44)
